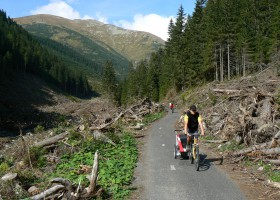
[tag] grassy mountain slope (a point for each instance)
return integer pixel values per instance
(134, 45)
(77, 49)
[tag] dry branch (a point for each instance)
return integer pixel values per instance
(48, 192)
(91, 188)
(51, 140)
(273, 184)
(214, 141)
(270, 151)
(133, 112)
(253, 148)
(276, 162)
(103, 126)
(225, 90)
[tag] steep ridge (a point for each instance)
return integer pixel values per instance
(134, 45)
(79, 51)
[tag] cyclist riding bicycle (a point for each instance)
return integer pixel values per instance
(191, 121)
(171, 105)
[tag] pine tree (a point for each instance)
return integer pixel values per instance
(109, 79)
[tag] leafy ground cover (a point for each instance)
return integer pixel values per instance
(116, 164)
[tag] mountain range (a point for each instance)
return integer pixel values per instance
(90, 43)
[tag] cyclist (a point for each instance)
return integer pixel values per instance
(191, 121)
(171, 107)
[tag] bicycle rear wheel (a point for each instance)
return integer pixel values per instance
(175, 151)
(191, 157)
(197, 158)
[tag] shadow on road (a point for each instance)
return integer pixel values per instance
(205, 162)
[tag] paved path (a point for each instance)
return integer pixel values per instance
(162, 177)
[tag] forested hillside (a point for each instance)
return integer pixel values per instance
(29, 75)
(222, 39)
(20, 53)
(77, 50)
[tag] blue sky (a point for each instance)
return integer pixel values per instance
(143, 15)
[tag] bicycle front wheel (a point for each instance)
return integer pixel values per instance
(197, 158)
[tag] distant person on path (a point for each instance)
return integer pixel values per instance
(192, 120)
(171, 107)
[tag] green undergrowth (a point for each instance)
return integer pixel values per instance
(116, 164)
(270, 171)
(231, 146)
(208, 137)
(153, 117)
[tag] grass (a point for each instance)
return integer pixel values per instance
(268, 169)
(153, 117)
(208, 137)
(231, 146)
(273, 175)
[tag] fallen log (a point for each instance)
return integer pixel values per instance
(51, 140)
(225, 90)
(270, 151)
(276, 162)
(277, 135)
(143, 112)
(265, 113)
(273, 184)
(139, 136)
(103, 126)
(214, 141)
(253, 148)
(48, 192)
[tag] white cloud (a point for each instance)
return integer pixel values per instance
(60, 8)
(87, 17)
(101, 18)
(151, 23)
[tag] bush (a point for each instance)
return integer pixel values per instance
(3, 168)
(39, 129)
(36, 156)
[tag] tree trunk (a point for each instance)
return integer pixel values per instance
(93, 177)
(221, 65)
(216, 65)
(271, 151)
(214, 141)
(228, 63)
(51, 140)
(276, 162)
(252, 148)
(244, 63)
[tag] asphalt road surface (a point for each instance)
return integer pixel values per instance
(161, 177)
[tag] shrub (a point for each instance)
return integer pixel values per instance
(39, 129)
(3, 168)
(36, 156)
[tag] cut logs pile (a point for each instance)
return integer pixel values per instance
(134, 113)
(247, 112)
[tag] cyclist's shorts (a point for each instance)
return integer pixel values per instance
(193, 133)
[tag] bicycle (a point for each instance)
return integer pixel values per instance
(194, 156)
